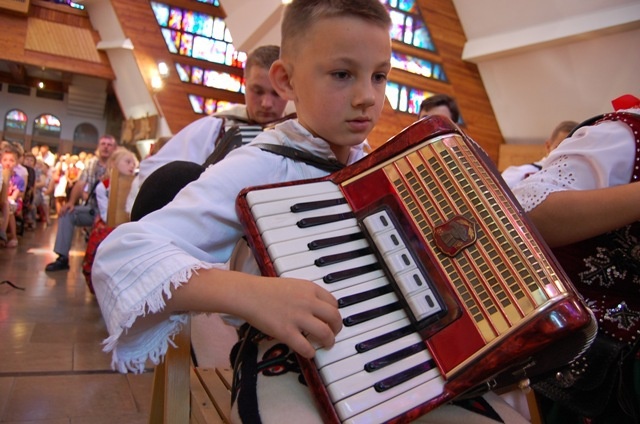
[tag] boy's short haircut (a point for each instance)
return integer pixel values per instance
(262, 57)
(299, 15)
(441, 100)
(564, 126)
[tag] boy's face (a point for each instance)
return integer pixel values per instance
(9, 161)
(263, 103)
(338, 79)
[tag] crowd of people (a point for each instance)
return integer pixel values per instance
(34, 184)
(149, 273)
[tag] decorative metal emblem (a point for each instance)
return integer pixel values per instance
(454, 235)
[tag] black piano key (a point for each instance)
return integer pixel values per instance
(384, 339)
(313, 221)
(309, 206)
(334, 277)
(394, 357)
(341, 257)
(334, 241)
(371, 314)
(343, 302)
(394, 380)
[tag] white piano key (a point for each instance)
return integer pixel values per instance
(363, 380)
(423, 304)
(370, 406)
(378, 222)
(355, 363)
(290, 219)
(347, 347)
(298, 245)
(399, 261)
(304, 259)
(411, 282)
(388, 241)
(272, 236)
(290, 192)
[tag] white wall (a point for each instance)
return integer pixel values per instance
(34, 106)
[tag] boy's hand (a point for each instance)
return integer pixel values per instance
(295, 312)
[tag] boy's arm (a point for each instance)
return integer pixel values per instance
(290, 310)
(570, 216)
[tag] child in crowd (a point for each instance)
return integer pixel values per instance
(42, 192)
(125, 162)
(15, 191)
(334, 62)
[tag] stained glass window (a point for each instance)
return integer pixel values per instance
(407, 24)
(15, 121)
(207, 105)
(197, 35)
(405, 99)
(418, 66)
(204, 37)
(47, 125)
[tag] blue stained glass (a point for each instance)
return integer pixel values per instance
(175, 18)
(172, 40)
(162, 13)
(422, 38)
(184, 72)
(408, 26)
(393, 92)
(403, 99)
(397, 25)
(196, 103)
(408, 6)
(417, 66)
(211, 2)
(197, 23)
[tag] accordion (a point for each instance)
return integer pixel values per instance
(444, 286)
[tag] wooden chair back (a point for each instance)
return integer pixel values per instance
(119, 186)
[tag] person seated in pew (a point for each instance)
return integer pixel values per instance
(584, 202)
(125, 162)
(148, 274)
(512, 175)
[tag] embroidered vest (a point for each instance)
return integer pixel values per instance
(606, 269)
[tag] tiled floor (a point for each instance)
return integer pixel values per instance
(52, 369)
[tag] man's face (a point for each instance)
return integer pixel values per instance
(263, 103)
(106, 147)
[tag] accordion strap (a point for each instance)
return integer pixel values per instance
(302, 156)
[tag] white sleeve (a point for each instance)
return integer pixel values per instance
(194, 143)
(102, 197)
(512, 175)
(594, 157)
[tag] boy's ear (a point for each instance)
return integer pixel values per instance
(280, 77)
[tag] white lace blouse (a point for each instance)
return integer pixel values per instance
(594, 157)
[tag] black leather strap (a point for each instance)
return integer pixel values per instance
(302, 156)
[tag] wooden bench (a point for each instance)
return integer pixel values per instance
(519, 154)
(184, 394)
